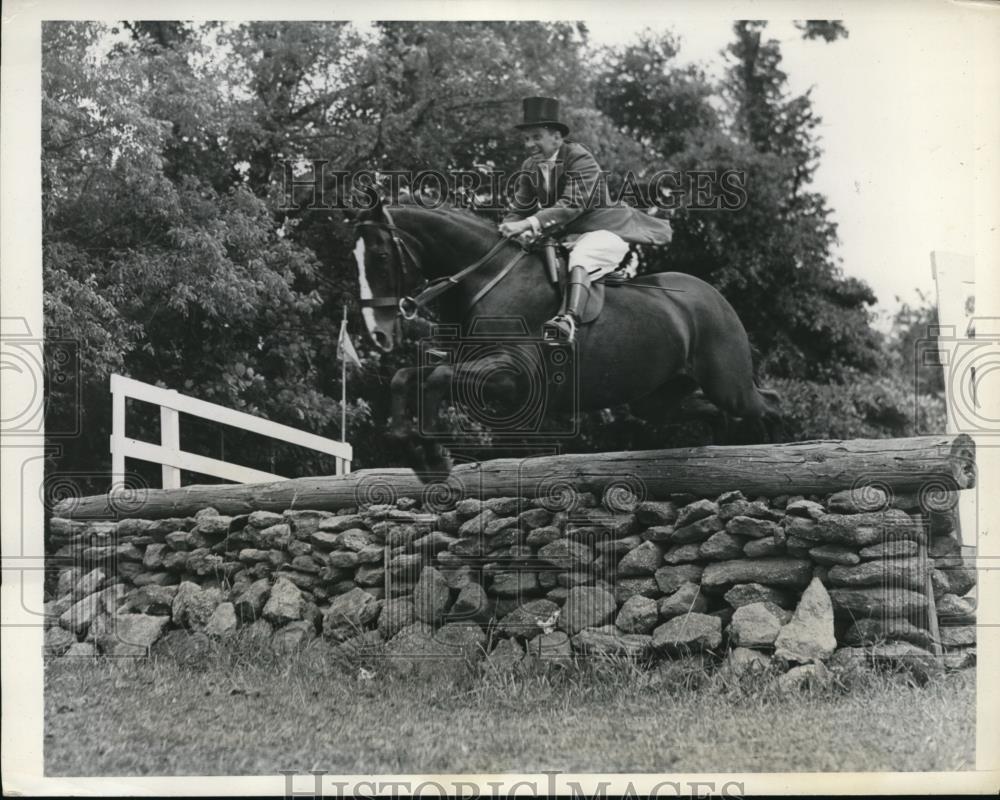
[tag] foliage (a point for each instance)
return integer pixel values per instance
(866, 407)
(772, 258)
(910, 340)
(827, 29)
(157, 262)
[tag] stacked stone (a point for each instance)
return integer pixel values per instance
(788, 577)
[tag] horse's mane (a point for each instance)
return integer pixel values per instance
(459, 214)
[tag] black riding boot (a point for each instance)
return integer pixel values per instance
(561, 329)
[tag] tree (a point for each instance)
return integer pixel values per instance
(155, 261)
(772, 258)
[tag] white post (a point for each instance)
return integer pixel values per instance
(954, 277)
(117, 433)
(342, 468)
(170, 438)
(343, 388)
(955, 280)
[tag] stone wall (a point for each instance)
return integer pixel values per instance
(807, 580)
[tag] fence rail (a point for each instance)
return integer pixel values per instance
(172, 459)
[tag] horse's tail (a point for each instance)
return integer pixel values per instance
(755, 358)
(772, 399)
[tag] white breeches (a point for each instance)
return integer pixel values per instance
(600, 252)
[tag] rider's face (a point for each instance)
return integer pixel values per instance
(542, 141)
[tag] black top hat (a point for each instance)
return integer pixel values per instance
(539, 111)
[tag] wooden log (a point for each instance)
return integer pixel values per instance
(923, 463)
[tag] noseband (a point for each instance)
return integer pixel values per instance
(408, 306)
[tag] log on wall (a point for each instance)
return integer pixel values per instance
(923, 463)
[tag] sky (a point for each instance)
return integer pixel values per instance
(897, 98)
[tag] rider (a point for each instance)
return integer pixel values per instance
(561, 191)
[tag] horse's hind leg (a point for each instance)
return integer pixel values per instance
(660, 405)
(725, 374)
(772, 419)
(677, 401)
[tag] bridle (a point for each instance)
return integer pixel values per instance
(403, 251)
(409, 306)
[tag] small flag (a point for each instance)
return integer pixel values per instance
(345, 348)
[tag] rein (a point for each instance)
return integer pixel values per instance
(408, 306)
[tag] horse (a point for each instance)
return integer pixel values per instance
(657, 339)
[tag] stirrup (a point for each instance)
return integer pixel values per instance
(436, 355)
(561, 329)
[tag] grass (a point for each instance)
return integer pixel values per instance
(238, 710)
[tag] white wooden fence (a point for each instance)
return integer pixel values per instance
(168, 452)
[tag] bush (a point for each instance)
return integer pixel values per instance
(867, 407)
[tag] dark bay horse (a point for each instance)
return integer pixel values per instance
(657, 339)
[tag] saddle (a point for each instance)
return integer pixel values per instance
(557, 266)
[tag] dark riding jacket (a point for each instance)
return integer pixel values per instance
(576, 200)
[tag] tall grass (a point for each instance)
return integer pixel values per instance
(239, 708)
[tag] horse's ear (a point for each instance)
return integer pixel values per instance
(366, 202)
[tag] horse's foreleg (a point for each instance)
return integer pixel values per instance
(435, 461)
(435, 388)
(403, 388)
(403, 394)
(419, 391)
(488, 380)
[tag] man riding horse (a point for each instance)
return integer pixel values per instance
(653, 343)
(561, 192)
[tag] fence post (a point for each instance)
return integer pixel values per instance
(117, 433)
(955, 281)
(170, 437)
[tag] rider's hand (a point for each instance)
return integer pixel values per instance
(514, 229)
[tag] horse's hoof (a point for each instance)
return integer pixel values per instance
(434, 465)
(439, 460)
(417, 460)
(399, 434)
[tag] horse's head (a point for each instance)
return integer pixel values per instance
(387, 272)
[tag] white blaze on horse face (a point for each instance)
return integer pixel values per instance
(366, 291)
